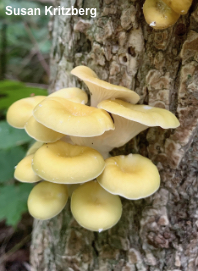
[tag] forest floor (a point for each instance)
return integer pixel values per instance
(15, 245)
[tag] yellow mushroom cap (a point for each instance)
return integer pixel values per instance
(76, 95)
(34, 147)
(20, 111)
(71, 118)
(94, 208)
(61, 162)
(158, 14)
(144, 114)
(24, 172)
(47, 200)
(179, 6)
(41, 133)
(132, 177)
(102, 90)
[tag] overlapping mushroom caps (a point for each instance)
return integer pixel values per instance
(20, 114)
(61, 162)
(162, 14)
(72, 118)
(129, 120)
(20, 111)
(63, 117)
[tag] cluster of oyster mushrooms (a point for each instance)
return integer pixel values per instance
(161, 14)
(71, 154)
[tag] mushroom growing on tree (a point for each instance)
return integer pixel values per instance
(47, 200)
(132, 176)
(94, 208)
(129, 120)
(179, 6)
(61, 162)
(63, 116)
(159, 15)
(101, 90)
(72, 118)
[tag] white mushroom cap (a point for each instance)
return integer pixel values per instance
(101, 90)
(72, 118)
(94, 208)
(47, 200)
(61, 162)
(132, 177)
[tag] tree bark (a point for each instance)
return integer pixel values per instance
(159, 232)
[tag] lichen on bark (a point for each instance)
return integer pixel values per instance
(159, 232)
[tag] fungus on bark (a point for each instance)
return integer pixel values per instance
(72, 118)
(47, 200)
(158, 14)
(94, 208)
(101, 90)
(129, 120)
(132, 176)
(61, 162)
(62, 117)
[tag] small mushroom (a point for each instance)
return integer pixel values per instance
(47, 200)
(41, 133)
(94, 208)
(24, 172)
(61, 162)
(20, 111)
(72, 118)
(158, 14)
(101, 90)
(179, 6)
(132, 176)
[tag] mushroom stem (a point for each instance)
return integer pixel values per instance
(124, 131)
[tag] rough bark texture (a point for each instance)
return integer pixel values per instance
(160, 232)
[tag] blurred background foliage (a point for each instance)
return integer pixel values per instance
(24, 72)
(25, 43)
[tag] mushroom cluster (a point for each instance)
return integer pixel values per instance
(71, 155)
(161, 14)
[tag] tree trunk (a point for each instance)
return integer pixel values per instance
(159, 232)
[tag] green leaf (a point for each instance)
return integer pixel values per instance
(13, 202)
(11, 137)
(11, 91)
(8, 160)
